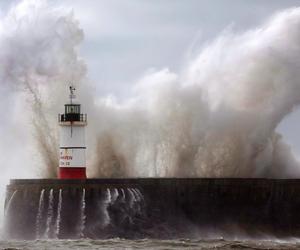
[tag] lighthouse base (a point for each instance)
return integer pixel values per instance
(71, 173)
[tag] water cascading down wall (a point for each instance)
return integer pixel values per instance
(152, 207)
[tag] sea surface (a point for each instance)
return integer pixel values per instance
(147, 244)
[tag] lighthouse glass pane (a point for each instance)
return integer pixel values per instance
(72, 109)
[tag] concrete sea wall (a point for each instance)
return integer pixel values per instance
(152, 207)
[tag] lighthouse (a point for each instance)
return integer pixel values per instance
(72, 163)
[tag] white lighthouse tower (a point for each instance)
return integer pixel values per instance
(72, 164)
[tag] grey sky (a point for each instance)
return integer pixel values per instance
(125, 38)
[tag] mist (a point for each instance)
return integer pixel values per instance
(216, 117)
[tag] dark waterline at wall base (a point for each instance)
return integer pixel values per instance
(152, 208)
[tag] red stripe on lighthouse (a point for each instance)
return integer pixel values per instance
(72, 173)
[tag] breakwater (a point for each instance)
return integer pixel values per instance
(152, 208)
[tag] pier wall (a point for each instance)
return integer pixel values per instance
(152, 207)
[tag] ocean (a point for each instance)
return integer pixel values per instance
(117, 243)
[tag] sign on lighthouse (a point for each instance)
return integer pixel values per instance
(72, 163)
